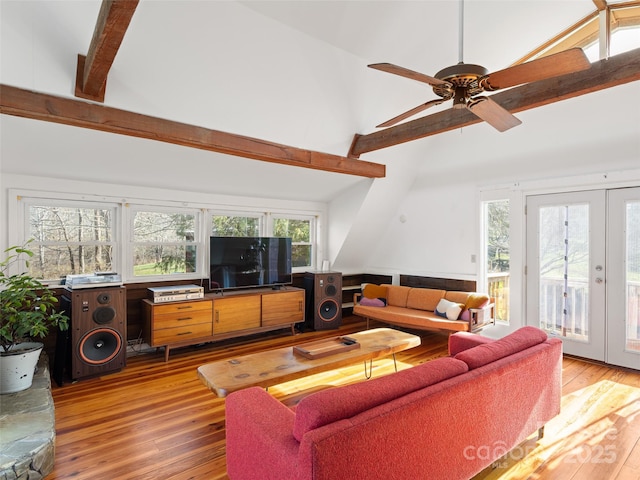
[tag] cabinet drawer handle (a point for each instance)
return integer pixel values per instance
(184, 307)
(184, 318)
(184, 333)
(217, 316)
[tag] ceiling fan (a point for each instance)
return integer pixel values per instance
(464, 82)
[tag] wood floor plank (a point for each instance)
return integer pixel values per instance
(157, 421)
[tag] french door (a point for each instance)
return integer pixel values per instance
(583, 272)
(623, 297)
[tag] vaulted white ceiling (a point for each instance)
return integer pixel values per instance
(292, 72)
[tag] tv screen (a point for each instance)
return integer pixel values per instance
(237, 262)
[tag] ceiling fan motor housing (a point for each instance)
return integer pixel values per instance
(463, 80)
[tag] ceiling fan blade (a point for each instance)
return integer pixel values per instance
(492, 113)
(411, 113)
(569, 61)
(405, 72)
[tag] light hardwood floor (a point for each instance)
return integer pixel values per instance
(156, 420)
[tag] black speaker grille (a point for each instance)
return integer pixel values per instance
(104, 315)
(328, 309)
(99, 346)
(104, 298)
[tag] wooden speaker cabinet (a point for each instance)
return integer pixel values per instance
(96, 342)
(323, 300)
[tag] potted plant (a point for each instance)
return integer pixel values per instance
(27, 311)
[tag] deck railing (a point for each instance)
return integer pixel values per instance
(498, 286)
(575, 324)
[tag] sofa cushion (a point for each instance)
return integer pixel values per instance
(331, 405)
(517, 341)
(397, 295)
(456, 296)
(371, 290)
(424, 298)
(448, 309)
(410, 318)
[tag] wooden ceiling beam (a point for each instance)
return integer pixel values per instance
(92, 70)
(600, 4)
(616, 70)
(49, 108)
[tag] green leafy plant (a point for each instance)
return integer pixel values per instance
(27, 307)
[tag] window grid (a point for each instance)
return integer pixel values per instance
(188, 249)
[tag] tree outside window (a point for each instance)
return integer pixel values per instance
(164, 243)
(235, 226)
(300, 232)
(70, 240)
(496, 216)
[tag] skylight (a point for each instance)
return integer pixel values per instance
(607, 31)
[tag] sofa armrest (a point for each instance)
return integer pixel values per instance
(259, 438)
(461, 341)
(481, 317)
(356, 297)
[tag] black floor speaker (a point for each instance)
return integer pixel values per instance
(96, 341)
(323, 299)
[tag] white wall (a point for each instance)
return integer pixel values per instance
(432, 232)
(265, 79)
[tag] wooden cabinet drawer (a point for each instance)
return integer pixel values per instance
(283, 308)
(181, 333)
(182, 307)
(180, 319)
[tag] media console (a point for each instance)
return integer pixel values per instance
(219, 316)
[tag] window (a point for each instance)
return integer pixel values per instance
(302, 233)
(142, 240)
(164, 242)
(497, 254)
(615, 26)
(70, 239)
(235, 226)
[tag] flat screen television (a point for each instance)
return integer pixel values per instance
(241, 262)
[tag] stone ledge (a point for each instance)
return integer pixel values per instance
(28, 430)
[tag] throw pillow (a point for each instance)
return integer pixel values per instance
(475, 300)
(374, 291)
(448, 310)
(372, 302)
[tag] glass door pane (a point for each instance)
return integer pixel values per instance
(565, 269)
(623, 282)
(632, 340)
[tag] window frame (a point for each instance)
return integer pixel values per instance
(313, 237)
(130, 243)
(23, 233)
(123, 260)
(483, 266)
(214, 212)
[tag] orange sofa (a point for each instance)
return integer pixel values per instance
(416, 308)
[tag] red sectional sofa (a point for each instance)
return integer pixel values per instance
(445, 419)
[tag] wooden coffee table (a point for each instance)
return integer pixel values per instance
(272, 367)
